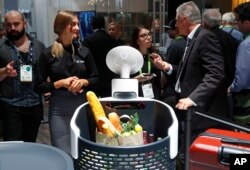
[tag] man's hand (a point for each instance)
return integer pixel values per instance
(184, 104)
(144, 77)
(159, 63)
(9, 70)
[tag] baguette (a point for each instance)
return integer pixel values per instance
(115, 120)
(96, 108)
(106, 127)
(95, 105)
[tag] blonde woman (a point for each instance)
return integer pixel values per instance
(71, 70)
(115, 31)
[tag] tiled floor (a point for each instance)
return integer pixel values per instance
(43, 134)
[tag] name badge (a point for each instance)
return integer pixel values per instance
(26, 73)
(147, 90)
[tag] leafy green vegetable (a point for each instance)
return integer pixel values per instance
(130, 125)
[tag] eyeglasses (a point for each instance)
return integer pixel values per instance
(146, 35)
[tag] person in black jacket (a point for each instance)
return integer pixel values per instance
(21, 106)
(149, 83)
(174, 54)
(71, 70)
(100, 43)
(211, 19)
(201, 71)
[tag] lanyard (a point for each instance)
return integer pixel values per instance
(148, 64)
(178, 37)
(29, 57)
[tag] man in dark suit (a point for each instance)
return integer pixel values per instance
(201, 71)
(100, 43)
(211, 19)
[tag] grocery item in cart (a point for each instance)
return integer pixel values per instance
(156, 118)
(112, 131)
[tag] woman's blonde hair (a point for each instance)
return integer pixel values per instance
(62, 20)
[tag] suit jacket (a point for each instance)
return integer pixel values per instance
(100, 43)
(174, 56)
(229, 47)
(202, 75)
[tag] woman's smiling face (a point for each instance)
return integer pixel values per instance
(75, 27)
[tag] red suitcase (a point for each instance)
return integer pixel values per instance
(212, 149)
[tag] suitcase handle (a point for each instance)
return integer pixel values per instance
(189, 114)
(226, 151)
(236, 141)
(226, 139)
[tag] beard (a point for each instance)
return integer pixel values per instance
(15, 35)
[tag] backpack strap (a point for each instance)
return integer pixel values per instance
(230, 32)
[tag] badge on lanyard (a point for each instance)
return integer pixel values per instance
(26, 73)
(147, 90)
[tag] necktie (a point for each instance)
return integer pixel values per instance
(177, 85)
(185, 51)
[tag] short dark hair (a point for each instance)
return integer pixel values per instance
(171, 25)
(98, 22)
(243, 11)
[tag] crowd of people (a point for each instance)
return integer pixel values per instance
(205, 66)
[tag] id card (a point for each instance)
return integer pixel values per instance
(147, 90)
(26, 73)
